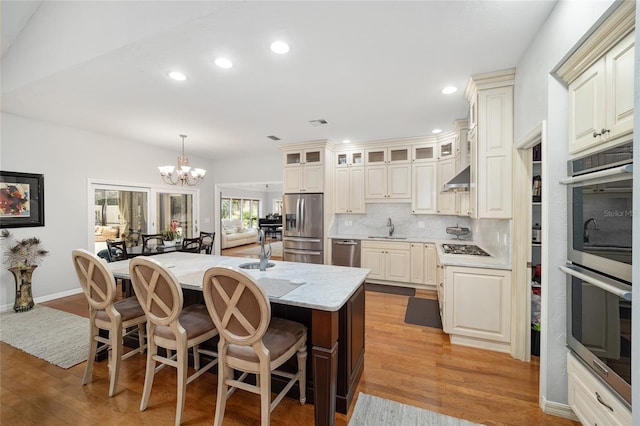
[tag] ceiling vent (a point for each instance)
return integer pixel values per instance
(274, 138)
(318, 123)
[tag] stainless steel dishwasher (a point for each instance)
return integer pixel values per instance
(345, 252)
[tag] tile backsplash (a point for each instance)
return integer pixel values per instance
(492, 234)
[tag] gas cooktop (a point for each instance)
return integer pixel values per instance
(468, 249)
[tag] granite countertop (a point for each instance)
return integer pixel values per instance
(494, 261)
(322, 287)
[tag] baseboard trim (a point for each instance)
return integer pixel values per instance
(557, 409)
(8, 307)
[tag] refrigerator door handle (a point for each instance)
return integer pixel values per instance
(302, 240)
(291, 251)
(298, 218)
(302, 216)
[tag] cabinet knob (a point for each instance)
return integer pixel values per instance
(596, 134)
(603, 131)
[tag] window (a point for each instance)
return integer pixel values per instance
(246, 209)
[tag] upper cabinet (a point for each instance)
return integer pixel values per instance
(491, 143)
(447, 147)
(350, 158)
(388, 173)
(601, 99)
(303, 170)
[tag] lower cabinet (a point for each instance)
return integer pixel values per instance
(388, 261)
(477, 307)
(423, 264)
(592, 401)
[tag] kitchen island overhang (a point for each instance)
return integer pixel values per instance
(329, 300)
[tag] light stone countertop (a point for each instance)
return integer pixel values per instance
(322, 287)
(492, 262)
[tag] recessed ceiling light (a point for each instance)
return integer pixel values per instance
(346, 141)
(449, 90)
(279, 47)
(223, 63)
(436, 131)
(177, 75)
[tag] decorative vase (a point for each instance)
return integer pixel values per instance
(24, 298)
(171, 243)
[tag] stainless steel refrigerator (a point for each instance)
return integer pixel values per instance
(302, 228)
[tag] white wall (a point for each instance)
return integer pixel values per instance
(538, 96)
(68, 158)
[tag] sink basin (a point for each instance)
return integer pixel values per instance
(386, 237)
(255, 265)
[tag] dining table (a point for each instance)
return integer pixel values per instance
(329, 300)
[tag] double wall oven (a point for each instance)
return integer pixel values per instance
(599, 282)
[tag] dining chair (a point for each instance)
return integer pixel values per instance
(191, 245)
(171, 327)
(206, 241)
(105, 313)
(117, 250)
(251, 341)
(149, 239)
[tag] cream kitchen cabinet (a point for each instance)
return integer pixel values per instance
(349, 190)
(447, 147)
(441, 295)
(388, 173)
(592, 401)
(601, 99)
(424, 183)
(477, 307)
(350, 158)
(491, 95)
(446, 200)
(426, 152)
(303, 170)
(423, 264)
(388, 261)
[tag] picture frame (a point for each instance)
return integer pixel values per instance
(21, 199)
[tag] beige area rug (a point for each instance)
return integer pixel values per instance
(55, 336)
(276, 250)
(374, 411)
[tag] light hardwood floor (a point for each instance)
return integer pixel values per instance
(406, 363)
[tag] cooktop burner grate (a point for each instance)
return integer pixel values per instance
(468, 249)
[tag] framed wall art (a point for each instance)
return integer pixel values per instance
(21, 199)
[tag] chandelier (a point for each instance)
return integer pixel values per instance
(183, 174)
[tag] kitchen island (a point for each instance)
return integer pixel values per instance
(329, 300)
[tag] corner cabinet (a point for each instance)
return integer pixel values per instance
(601, 99)
(303, 170)
(491, 98)
(477, 307)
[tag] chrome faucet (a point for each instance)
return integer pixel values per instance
(390, 226)
(265, 255)
(586, 228)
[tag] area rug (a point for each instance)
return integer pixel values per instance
(276, 250)
(374, 411)
(425, 312)
(55, 336)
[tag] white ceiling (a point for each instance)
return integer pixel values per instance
(373, 70)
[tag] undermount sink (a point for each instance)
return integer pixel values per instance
(386, 237)
(255, 265)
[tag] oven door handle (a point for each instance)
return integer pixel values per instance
(572, 270)
(627, 168)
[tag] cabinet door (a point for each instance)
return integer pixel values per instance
(447, 148)
(430, 264)
(398, 264)
(292, 181)
(479, 302)
(313, 157)
(373, 259)
(620, 85)
(376, 182)
(399, 181)
(417, 263)
(587, 108)
(446, 200)
(342, 190)
(313, 180)
(398, 155)
(424, 153)
(462, 203)
(356, 190)
(424, 183)
(293, 159)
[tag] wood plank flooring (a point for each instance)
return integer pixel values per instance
(406, 363)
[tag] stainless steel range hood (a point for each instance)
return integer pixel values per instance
(460, 182)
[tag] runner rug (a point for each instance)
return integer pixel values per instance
(55, 336)
(374, 411)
